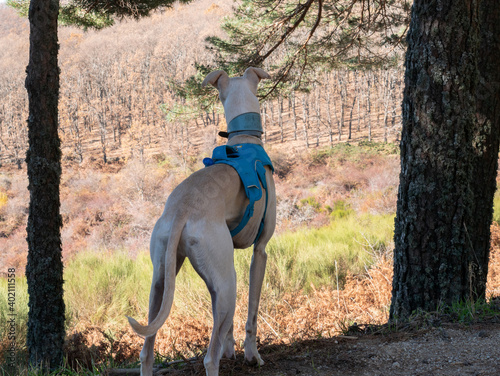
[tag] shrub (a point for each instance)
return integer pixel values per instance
(340, 210)
(312, 202)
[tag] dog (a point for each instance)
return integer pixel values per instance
(197, 222)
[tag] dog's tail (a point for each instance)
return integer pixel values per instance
(169, 284)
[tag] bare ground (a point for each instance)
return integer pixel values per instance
(447, 350)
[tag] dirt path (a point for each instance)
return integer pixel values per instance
(449, 350)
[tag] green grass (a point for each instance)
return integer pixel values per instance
(101, 288)
(20, 308)
(296, 261)
(308, 257)
(21, 369)
(469, 312)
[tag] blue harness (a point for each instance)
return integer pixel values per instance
(249, 161)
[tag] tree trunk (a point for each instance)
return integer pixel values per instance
(264, 120)
(294, 112)
(449, 151)
(305, 111)
(280, 117)
(387, 94)
(350, 117)
(317, 109)
(329, 111)
(44, 270)
(486, 138)
(360, 97)
(368, 113)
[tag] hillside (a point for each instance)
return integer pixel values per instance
(114, 206)
(115, 93)
(337, 164)
(121, 156)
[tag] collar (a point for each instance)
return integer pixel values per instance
(247, 123)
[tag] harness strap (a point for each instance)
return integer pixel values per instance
(261, 172)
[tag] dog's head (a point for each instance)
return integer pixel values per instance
(238, 94)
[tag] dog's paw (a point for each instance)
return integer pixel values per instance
(229, 353)
(254, 360)
(228, 350)
(252, 355)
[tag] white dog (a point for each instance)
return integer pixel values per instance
(196, 223)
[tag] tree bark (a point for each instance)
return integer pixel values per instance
(449, 152)
(44, 270)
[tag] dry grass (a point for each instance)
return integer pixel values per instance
(295, 316)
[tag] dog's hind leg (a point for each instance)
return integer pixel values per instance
(214, 262)
(223, 291)
(257, 271)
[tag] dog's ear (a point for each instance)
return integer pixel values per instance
(254, 75)
(218, 79)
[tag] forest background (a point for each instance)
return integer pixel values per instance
(119, 108)
(128, 140)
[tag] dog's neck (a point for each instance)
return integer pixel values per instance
(244, 138)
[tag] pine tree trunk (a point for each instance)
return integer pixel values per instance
(264, 120)
(448, 160)
(350, 117)
(44, 270)
(387, 93)
(360, 97)
(329, 113)
(368, 113)
(486, 137)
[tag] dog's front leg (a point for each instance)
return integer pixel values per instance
(257, 271)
